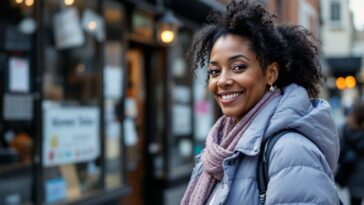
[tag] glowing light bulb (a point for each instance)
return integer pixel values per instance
(92, 25)
(340, 83)
(350, 82)
(167, 36)
(69, 2)
(18, 1)
(29, 2)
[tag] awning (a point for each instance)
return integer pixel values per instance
(344, 64)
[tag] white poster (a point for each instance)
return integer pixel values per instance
(131, 110)
(130, 134)
(71, 134)
(182, 120)
(93, 24)
(113, 82)
(18, 75)
(182, 94)
(67, 29)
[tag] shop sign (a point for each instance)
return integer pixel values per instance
(71, 135)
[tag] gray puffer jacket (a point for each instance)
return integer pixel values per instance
(301, 165)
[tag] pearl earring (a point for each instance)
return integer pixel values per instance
(271, 88)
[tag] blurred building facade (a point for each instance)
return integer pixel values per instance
(297, 12)
(96, 108)
(342, 61)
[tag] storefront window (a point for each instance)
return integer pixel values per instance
(71, 151)
(17, 135)
(114, 75)
(181, 143)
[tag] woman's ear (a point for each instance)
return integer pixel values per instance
(272, 73)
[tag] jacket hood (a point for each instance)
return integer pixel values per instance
(312, 118)
(294, 110)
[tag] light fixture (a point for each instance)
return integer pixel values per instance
(350, 81)
(18, 1)
(340, 83)
(167, 36)
(29, 2)
(69, 2)
(168, 28)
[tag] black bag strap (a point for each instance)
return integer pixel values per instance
(262, 170)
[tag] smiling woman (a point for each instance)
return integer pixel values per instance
(236, 79)
(265, 78)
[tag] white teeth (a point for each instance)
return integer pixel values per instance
(230, 96)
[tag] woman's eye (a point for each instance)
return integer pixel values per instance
(239, 67)
(214, 72)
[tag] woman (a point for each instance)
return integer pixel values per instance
(265, 78)
(353, 153)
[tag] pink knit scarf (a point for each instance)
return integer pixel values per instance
(220, 144)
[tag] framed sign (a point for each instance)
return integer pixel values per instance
(19, 80)
(142, 25)
(71, 135)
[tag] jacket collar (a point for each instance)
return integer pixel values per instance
(250, 141)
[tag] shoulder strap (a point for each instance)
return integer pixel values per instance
(262, 170)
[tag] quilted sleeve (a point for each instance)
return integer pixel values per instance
(299, 174)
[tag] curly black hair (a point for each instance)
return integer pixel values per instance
(293, 48)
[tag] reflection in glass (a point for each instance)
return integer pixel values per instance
(71, 80)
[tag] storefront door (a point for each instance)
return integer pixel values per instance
(134, 125)
(144, 121)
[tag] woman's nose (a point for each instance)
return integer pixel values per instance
(224, 79)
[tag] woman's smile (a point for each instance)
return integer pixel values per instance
(229, 98)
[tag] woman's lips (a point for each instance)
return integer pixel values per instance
(229, 98)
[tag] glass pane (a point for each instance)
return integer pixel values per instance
(203, 110)
(17, 134)
(71, 108)
(335, 11)
(114, 75)
(181, 144)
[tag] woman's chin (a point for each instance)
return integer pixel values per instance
(229, 114)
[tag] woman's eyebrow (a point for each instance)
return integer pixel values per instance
(213, 63)
(238, 56)
(230, 59)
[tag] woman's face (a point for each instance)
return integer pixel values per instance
(235, 77)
